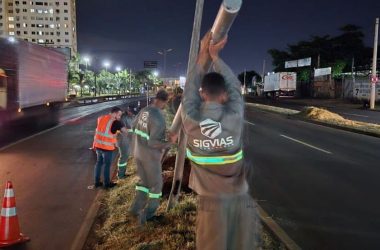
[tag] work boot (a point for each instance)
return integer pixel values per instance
(111, 185)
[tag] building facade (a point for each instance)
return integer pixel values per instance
(51, 23)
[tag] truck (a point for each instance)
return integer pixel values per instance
(280, 84)
(33, 82)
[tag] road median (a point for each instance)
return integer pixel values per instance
(323, 117)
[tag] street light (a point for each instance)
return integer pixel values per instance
(106, 64)
(155, 73)
(87, 61)
(163, 53)
(118, 68)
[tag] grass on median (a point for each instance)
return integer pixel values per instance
(114, 229)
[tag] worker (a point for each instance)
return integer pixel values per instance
(104, 144)
(212, 116)
(149, 145)
(123, 141)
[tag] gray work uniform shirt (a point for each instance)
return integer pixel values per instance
(214, 130)
(149, 135)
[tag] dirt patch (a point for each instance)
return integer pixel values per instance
(168, 173)
(320, 114)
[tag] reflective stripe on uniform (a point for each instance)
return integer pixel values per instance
(142, 134)
(142, 189)
(122, 164)
(155, 196)
(9, 193)
(104, 143)
(215, 160)
(105, 134)
(8, 212)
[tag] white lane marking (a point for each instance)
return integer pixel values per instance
(355, 115)
(306, 144)
(250, 123)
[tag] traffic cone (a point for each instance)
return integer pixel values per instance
(9, 226)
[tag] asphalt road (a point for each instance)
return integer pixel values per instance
(320, 184)
(51, 172)
(352, 112)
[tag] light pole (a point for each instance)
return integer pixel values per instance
(163, 53)
(87, 61)
(106, 64)
(374, 60)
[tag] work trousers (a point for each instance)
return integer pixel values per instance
(151, 179)
(103, 160)
(227, 223)
(123, 146)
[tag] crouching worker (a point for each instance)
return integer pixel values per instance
(212, 115)
(104, 144)
(123, 143)
(149, 144)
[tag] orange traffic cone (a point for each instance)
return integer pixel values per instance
(9, 227)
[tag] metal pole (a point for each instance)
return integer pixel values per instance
(263, 73)
(130, 82)
(374, 59)
(244, 86)
(182, 138)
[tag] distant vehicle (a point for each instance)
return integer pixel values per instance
(280, 84)
(33, 82)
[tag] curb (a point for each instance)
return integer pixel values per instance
(276, 230)
(85, 229)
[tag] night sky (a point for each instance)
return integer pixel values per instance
(128, 32)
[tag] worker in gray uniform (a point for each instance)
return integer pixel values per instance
(149, 144)
(212, 116)
(123, 141)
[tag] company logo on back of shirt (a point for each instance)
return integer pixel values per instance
(143, 121)
(212, 129)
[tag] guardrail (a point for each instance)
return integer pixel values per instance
(98, 99)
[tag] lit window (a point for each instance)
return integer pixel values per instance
(39, 11)
(24, 25)
(51, 26)
(11, 26)
(11, 33)
(51, 11)
(40, 33)
(32, 10)
(66, 25)
(46, 11)
(41, 40)
(11, 18)
(40, 25)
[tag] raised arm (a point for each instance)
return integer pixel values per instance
(191, 97)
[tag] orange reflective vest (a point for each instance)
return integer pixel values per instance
(103, 138)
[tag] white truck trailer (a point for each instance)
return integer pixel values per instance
(280, 84)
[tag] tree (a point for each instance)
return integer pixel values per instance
(333, 52)
(74, 71)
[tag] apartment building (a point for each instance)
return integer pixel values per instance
(50, 23)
